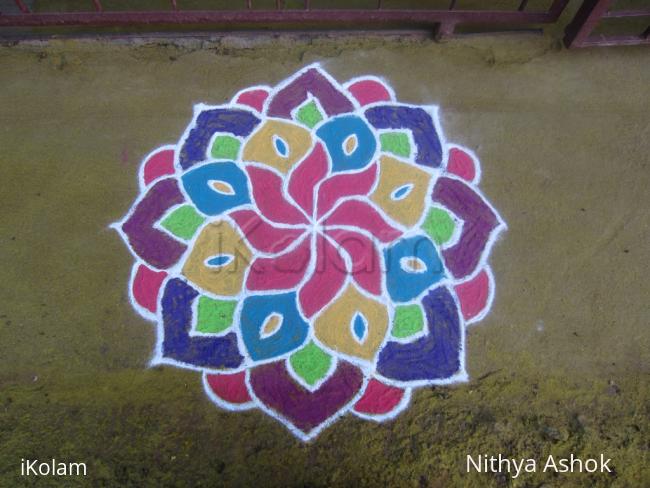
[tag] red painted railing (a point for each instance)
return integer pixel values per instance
(445, 20)
(579, 31)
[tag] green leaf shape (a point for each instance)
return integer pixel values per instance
(409, 320)
(311, 363)
(214, 316)
(309, 114)
(225, 147)
(183, 222)
(396, 143)
(439, 224)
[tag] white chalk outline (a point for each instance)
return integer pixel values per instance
(397, 409)
(368, 368)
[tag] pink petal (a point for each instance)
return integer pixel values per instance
(462, 164)
(263, 236)
(363, 215)
(326, 281)
(474, 295)
(145, 287)
(306, 176)
(269, 197)
(366, 268)
(158, 164)
(254, 98)
(379, 398)
(231, 388)
(345, 185)
(281, 272)
(369, 91)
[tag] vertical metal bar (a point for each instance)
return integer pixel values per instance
(522, 5)
(307, 4)
(98, 5)
(278, 4)
(444, 30)
(23, 8)
(556, 8)
(585, 21)
(452, 5)
(379, 6)
(174, 6)
(249, 4)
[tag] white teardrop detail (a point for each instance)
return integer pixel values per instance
(219, 261)
(402, 192)
(271, 325)
(412, 264)
(350, 144)
(222, 187)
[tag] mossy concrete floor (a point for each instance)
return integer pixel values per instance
(560, 366)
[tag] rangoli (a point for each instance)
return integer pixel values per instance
(312, 249)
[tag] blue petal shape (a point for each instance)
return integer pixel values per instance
(359, 327)
(220, 260)
(402, 191)
(290, 335)
(197, 184)
(208, 352)
(280, 146)
(415, 119)
(405, 284)
(435, 356)
(336, 131)
(233, 121)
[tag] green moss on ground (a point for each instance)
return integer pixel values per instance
(157, 428)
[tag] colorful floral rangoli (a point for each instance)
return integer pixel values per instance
(312, 249)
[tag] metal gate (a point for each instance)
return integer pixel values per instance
(592, 13)
(302, 14)
(443, 20)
